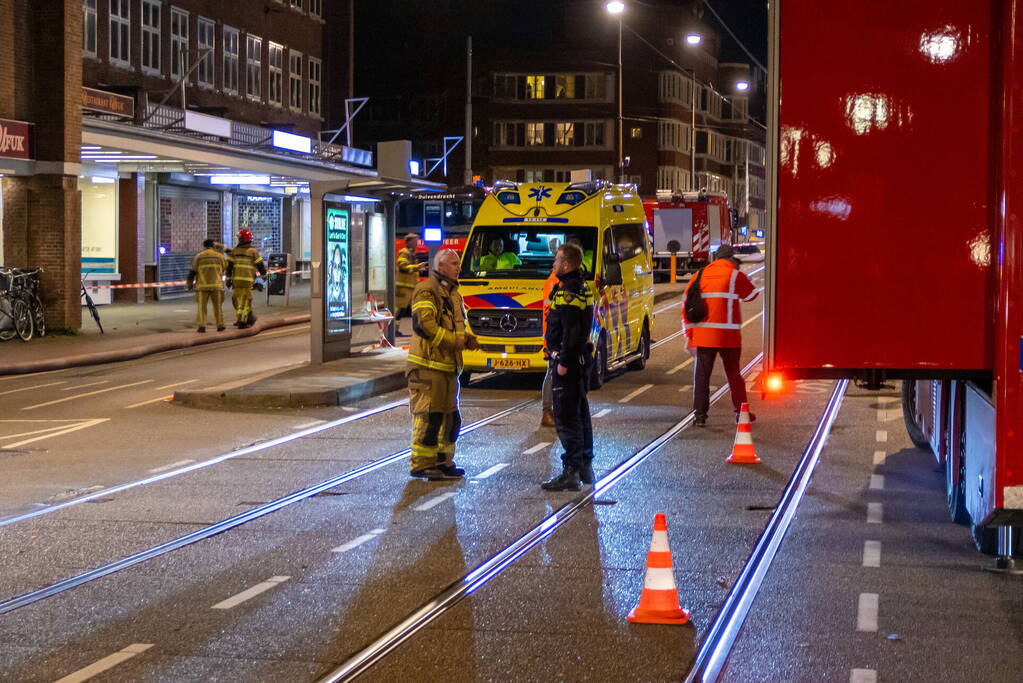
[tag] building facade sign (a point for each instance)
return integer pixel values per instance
(108, 103)
(15, 139)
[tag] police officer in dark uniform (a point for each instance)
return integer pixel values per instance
(568, 342)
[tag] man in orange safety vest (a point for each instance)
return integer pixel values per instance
(723, 286)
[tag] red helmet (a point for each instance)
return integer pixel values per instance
(245, 236)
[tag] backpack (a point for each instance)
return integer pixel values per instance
(695, 307)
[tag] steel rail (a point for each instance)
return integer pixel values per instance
(17, 602)
(717, 645)
(248, 450)
(398, 634)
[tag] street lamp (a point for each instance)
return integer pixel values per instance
(617, 8)
(742, 86)
(694, 39)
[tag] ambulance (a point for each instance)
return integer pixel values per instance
(510, 253)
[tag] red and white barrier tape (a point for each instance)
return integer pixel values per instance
(176, 283)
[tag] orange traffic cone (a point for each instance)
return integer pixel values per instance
(658, 604)
(743, 452)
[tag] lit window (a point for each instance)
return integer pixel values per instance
(253, 67)
(230, 60)
(636, 132)
(120, 32)
(295, 80)
(596, 86)
(564, 134)
(179, 42)
(564, 86)
(89, 27)
(276, 81)
(206, 41)
(315, 70)
(534, 134)
(535, 87)
(151, 35)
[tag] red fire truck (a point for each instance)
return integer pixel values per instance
(442, 220)
(690, 225)
(901, 130)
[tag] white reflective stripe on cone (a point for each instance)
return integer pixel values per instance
(660, 542)
(743, 438)
(659, 580)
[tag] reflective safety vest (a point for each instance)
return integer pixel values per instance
(408, 269)
(438, 321)
(505, 261)
(245, 259)
(723, 286)
(208, 266)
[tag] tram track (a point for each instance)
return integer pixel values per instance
(17, 602)
(434, 608)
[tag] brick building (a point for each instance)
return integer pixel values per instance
(151, 125)
(545, 101)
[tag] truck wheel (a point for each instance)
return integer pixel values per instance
(598, 373)
(464, 377)
(955, 493)
(643, 349)
(985, 538)
(916, 435)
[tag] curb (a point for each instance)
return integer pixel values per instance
(243, 398)
(135, 352)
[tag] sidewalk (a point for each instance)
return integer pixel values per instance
(136, 330)
(335, 383)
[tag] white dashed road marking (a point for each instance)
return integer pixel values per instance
(55, 432)
(82, 386)
(250, 593)
(152, 400)
(866, 613)
(89, 393)
(108, 662)
(537, 448)
(882, 436)
(491, 471)
(603, 412)
(636, 393)
(356, 542)
(877, 481)
(862, 676)
(37, 386)
(435, 501)
(171, 466)
(872, 554)
(176, 384)
(679, 367)
(875, 513)
(879, 457)
(310, 424)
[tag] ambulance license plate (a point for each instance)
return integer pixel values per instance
(509, 363)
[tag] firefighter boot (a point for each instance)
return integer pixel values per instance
(568, 480)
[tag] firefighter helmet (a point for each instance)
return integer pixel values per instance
(244, 235)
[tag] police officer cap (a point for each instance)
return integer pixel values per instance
(724, 251)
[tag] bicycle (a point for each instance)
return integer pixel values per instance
(15, 314)
(90, 304)
(26, 285)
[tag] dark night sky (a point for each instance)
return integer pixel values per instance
(748, 19)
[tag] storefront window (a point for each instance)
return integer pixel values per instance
(261, 215)
(99, 224)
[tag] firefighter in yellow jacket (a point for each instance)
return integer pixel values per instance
(406, 278)
(243, 263)
(206, 276)
(434, 361)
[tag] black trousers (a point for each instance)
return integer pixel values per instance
(572, 418)
(701, 383)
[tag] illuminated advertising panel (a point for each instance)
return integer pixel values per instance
(337, 287)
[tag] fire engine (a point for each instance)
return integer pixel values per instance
(689, 225)
(863, 126)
